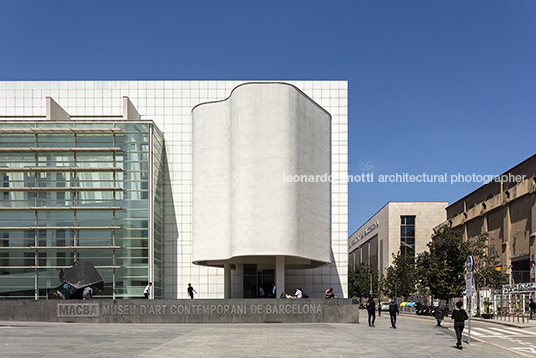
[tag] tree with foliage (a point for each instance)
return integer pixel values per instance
(359, 278)
(442, 268)
(400, 278)
(485, 274)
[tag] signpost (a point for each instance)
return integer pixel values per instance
(468, 286)
(469, 264)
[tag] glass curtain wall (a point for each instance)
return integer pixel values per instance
(80, 190)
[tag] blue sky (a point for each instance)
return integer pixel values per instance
(435, 87)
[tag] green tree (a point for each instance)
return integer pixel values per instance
(359, 281)
(485, 274)
(400, 277)
(442, 268)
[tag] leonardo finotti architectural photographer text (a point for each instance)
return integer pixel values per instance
(405, 178)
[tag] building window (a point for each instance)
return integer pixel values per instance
(80, 189)
(407, 235)
(29, 260)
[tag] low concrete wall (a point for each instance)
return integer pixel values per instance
(182, 311)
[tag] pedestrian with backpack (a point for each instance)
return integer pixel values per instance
(393, 311)
(371, 308)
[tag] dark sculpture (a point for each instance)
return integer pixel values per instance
(74, 279)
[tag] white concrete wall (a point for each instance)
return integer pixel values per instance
(243, 148)
(211, 142)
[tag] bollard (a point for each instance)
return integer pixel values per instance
(522, 308)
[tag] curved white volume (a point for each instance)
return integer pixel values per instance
(261, 163)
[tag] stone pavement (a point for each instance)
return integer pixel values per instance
(414, 337)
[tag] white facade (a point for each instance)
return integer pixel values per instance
(245, 209)
(169, 105)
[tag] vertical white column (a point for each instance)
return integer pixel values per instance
(280, 274)
(226, 280)
(151, 214)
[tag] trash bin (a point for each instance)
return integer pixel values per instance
(439, 315)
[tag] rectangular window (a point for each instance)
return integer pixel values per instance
(46, 140)
(55, 160)
(4, 261)
(18, 140)
(29, 260)
(94, 140)
(407, 235)
(42, 259)
(60, 259)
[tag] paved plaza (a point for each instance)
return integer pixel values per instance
(414, 337)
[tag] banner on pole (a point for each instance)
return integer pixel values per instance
(468, 284)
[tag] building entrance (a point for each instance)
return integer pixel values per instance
(255, 278)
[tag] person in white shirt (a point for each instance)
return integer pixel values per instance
(87, 293)
(299, 293)
(147, 289)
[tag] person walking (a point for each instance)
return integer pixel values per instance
(190, 290)
(532, 306)
(379, 309)
(371, 309)
(393, 311)
(147, 290)
(459, 316)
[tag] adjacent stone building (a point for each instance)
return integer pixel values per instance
(404, 227)
(506, 209)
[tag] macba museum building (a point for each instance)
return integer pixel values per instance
(174, 182)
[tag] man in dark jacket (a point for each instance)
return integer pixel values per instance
(393, 311)
(371, 308)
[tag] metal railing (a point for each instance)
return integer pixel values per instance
(513, 308)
